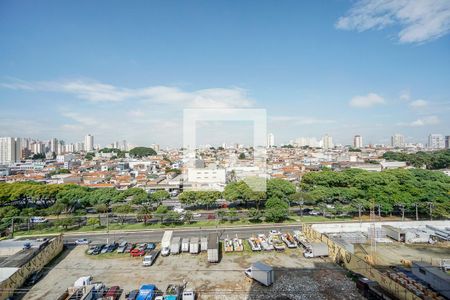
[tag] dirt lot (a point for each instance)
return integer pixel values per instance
(295, 277)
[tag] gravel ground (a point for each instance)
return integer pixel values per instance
(295, 276)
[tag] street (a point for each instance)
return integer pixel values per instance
(156, 235)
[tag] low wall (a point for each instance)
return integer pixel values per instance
(16, 280)
(357, 264)
(364, 226)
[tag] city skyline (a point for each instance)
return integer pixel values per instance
(132, 79)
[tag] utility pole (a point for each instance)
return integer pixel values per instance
(301, 210)
(107, 227)
(417, 211)
(402, 208)
(359, 211)
(431, 210)
(12, 227)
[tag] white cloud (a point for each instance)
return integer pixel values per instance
(429, 120)
(366, 101)
(405, 95)
(416, 104)
(99, 92)
(420, 20)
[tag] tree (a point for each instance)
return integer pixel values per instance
(255, 215)
(161, 211)
(188, 216)
(144, 214)
(277, 210)
(242, 155)
(159, 196)
(140, 152)
(93, 222)
(237, 191)
(101, 208)
(122, 211)
(65, 222)
(279, 188)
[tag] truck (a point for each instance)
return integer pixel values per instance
(204, 244)
(146, 292)
(188, 295)
(185, 245)
(175, 246)
(213, 248)
(316, 250)
(165, 243)
(194, 246)
(150, 258)
(261, 272)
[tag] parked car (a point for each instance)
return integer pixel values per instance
(113, 293)
(150, 246)
(98, 250)
(132, 295)
(82, 242)
(129, 247)
(150, 258)
(104, 249)
(33, 278)
(91, 249)
(122, 247)
(112, 247)
(137, 252)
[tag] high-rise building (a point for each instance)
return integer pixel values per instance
(89, 142)
(270, 140)
(327, 142)
(79, 147)
(37, 147)
(7, 150)
(357, 141)
(397, 141)
(54, 145)
(436, 141)
(447, 142)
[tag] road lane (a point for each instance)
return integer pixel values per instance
(156, 235)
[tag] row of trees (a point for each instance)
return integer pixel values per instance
(432, 160)
(388, 189)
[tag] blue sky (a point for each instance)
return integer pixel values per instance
(126, 70)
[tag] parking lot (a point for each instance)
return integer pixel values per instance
(296, 277)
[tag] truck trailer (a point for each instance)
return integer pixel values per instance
(316, 250)
(261, 272)
(165, 243)
(204, 244)
(213, 248)
(175, 246)
(194, 246)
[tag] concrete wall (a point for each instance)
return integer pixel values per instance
(364, 226)
(357, 263)
(17, 279)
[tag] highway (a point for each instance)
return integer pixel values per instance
(156, 235)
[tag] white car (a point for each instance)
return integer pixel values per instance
(82, 242)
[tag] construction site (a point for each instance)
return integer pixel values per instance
(408, 260)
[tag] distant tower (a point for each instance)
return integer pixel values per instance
(89, 142)
(327, 142)
(436, 141)
(398, 141)
(357, 141)
(270, 140)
